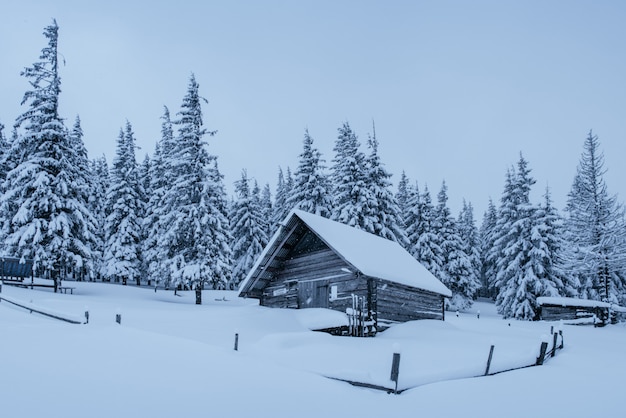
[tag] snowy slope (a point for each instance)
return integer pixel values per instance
(170, 357)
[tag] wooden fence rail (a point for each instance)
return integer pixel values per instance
(544, 355)
(41, 312)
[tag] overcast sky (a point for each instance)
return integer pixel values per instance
(456, 88)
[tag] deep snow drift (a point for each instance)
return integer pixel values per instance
(170, 357)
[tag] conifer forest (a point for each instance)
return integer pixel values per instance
(168, 221)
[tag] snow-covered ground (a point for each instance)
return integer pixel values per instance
(170, 357)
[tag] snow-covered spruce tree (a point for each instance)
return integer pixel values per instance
(382, 214)
(248, 229)
(458, 272)
(45, 210)
(220, 237)
(145, 181)
(548, 237)
(311, 190)
(403, 196)
(82, 182)
(595, 225)
(349, 178)
(506, 216)
(425, 242)
(470, 240)
(284, 189)
(5, 149)
(525, 269)
(189, 206)
(267, 208)
(161, 179)
(487, 244)
(98, 207)
(123, 223)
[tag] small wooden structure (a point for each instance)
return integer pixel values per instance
(15, 270)
(578, 310)
(313, 262)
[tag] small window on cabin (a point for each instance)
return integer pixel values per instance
(308, 243)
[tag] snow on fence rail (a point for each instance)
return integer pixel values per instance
(544, 355)
(42, 311)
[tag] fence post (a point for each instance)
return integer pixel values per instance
(236, 341)
(561, 334)
(395, 370)
(542, 353)
(489, 359)
(554, 344)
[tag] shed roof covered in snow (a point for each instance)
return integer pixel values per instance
(369, 254)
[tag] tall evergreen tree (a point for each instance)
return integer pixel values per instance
(526, 268)
(123, 222)
(403, 196)
(383, 216)
(161, 179)
(595, 224)
(282, 205)
(349, 177)
(487, 244)
(457, 272)
(98, 207)
(46, 217)
(190, 212)
(311, 192)
(267, 208)
(248, 229)
(470, 241)
(427, 248)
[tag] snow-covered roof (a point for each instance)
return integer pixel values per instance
(370, 254)
(586, 303)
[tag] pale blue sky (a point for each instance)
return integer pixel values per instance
(457, 88)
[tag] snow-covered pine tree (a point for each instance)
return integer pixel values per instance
(220, 238)
(5, 149)
(81, 183)
(123, 224)
(311, 190)
(98, 207)
(471, 242)
(267, 208)
(383, 216)
(189, 212)
(525, 267)
(45, 210)
(161, 179)
(595, 225)
(506, 216)
(349, 178)
(548, 238)
(145, 182)
(248, 229)
(284, 189)
(487, 244)
(402, 198)
(427, 248)
(457, 273)
(412, 215)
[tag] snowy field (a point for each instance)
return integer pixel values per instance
(170, 357)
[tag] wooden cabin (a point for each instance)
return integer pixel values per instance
(313, 262)
(578, 311)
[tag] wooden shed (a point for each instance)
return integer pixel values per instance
(313, 262)
(578, 311)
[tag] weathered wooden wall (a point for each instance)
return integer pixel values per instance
(555, 313)
(323, 267)
(400, 303)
